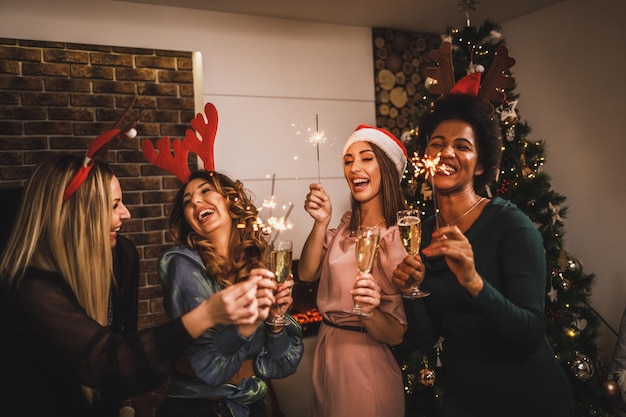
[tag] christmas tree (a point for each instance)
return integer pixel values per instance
(571, 323)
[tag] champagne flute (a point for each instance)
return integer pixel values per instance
(367, 239)
(410, 226)
(281, 253)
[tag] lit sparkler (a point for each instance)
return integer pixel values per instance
(271, 202)
(280, 224)
(317, 138)
(428, 167)
(273, 223)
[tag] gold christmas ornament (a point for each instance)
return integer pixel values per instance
(610, 388)
(564, 283)
(427, 377)
(574, 265)
(582, 367)
(571, 331)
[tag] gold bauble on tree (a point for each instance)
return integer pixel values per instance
(427, 377)
(610, 388)
(581, 366)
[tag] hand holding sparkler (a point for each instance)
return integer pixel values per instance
(318, 204)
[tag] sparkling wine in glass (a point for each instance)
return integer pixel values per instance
(281, 253)
(410, 226)
(366, 248)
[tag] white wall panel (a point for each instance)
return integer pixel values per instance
(258, 138)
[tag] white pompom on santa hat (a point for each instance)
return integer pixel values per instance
(385, 140)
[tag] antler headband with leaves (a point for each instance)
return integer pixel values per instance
(200, 142)
(492, 87)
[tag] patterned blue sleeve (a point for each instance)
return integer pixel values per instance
(281, 353)
(219, 353)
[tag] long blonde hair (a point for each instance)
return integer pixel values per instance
(71, 238)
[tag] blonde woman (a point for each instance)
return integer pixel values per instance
(55, 276)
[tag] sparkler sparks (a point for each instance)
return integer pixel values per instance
(425, 166)
(273, 223)
(280, 223)
(317, 138)
(428, 168)
(271, 202)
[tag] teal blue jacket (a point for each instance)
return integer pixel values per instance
(219, 353)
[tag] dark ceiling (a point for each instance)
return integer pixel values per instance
(432, 16)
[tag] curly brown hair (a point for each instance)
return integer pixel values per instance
(487, 133)
(247, 244)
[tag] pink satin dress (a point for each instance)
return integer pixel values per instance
(353, 374)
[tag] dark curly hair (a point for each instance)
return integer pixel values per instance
(247, 245)
(487, 133)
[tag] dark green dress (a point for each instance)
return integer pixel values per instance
(495, 352)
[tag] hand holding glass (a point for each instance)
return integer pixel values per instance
(410, 226)
(367, 239)
(281, 252)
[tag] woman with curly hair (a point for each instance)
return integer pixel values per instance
(213, 224)
(483, 262)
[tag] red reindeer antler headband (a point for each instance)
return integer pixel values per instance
(124, 127)
(493, 85)
(200, 142)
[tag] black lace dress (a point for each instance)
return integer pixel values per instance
(49, 348)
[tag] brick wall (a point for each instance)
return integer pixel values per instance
(56, 97)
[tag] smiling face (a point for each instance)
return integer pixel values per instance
(362, 171)
(206, 210)
(120, 212)
(454, 140)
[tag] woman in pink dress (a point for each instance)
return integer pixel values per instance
(354, 370)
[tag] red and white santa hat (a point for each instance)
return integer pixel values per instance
(385, 140)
